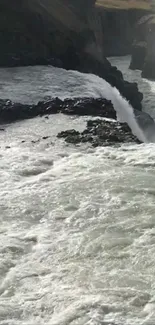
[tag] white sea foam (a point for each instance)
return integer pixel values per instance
(77, 236)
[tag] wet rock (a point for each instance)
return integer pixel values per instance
(71, 136)
(72, 132)
(10, 112)
(35, 141)
(45, 138)
(89, 106)
(49, 107)
(100, 133)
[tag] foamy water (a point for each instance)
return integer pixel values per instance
(18, 85)
(77, 224)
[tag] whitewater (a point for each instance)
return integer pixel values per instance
(77, 236)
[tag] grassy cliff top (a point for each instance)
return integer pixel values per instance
(125, 4)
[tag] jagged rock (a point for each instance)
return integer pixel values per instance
(100, 133)
(89, 106)
(10, 112)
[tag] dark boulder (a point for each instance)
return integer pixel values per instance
(100, 133)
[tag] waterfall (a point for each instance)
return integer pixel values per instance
(124, 110)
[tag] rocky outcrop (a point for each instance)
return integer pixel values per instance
(143, 50)
(98, 107)
(100, 133)
(11, 112)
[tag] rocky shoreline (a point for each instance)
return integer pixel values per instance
(75, 40)
(98, 132)
(12, 112)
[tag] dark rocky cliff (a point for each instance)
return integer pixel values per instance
(44, 31)
(67, 33)
(143, 50)
(39, 32)
(119, 29)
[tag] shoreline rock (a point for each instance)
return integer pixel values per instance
(96, 107)
(11, 112)
(100, 133)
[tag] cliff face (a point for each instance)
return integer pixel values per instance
(143, 52)
(34, 32)
(119, 28)
(45, 31)
(119, 18)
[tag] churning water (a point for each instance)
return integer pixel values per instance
(77, 236)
